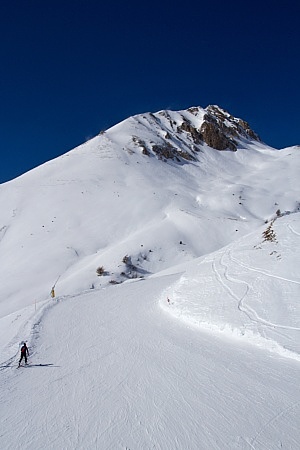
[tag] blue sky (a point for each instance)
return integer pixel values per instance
(72, 68)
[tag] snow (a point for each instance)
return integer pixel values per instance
(198, 346)
(246, 290)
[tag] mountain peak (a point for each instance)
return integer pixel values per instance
(180, 135)
(221, 130)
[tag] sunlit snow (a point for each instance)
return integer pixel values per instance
(190, 337)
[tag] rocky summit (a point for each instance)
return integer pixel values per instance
(181, 135)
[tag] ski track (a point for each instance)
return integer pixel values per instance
(263, 272)
(238, 299)
(250, 312)
(271, 422)
(29, 330)
(292, 230)
(29, 327)
(244, 332)
(134, 407)
(174, 388)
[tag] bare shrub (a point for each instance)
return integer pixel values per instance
(269, 234)
(126, 259)
(100, 271)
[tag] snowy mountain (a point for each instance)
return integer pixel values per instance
(139, 189)
(167, 231)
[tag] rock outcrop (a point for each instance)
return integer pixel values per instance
(180, 135)
(221, 130)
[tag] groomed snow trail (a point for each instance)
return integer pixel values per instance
(118, 372)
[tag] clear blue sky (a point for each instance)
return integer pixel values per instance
(72, 68)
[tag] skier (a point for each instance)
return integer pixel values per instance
(24, 353)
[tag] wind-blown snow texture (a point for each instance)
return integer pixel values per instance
(190, 338)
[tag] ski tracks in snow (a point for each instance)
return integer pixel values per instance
(242, 306)
(282, 414)
(292, 230)
(225, 279)
(29, 329)
(239, 299)
(131, 377)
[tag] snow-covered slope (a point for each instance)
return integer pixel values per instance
(247, 290)
(107, 199)
(209, 236)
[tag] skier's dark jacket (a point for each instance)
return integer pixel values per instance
(24, 350)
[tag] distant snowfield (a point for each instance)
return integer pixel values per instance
(198, 347)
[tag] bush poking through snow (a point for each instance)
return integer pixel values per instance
(130, 268)
(127, 261)
(269, 234)
(100, 271)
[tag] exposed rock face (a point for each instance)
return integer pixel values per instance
(195, 134)
(181, 135)
(167, 151)
(220, 130)
(248, 130)
(215, 137)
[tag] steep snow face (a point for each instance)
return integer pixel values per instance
(148, 189)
